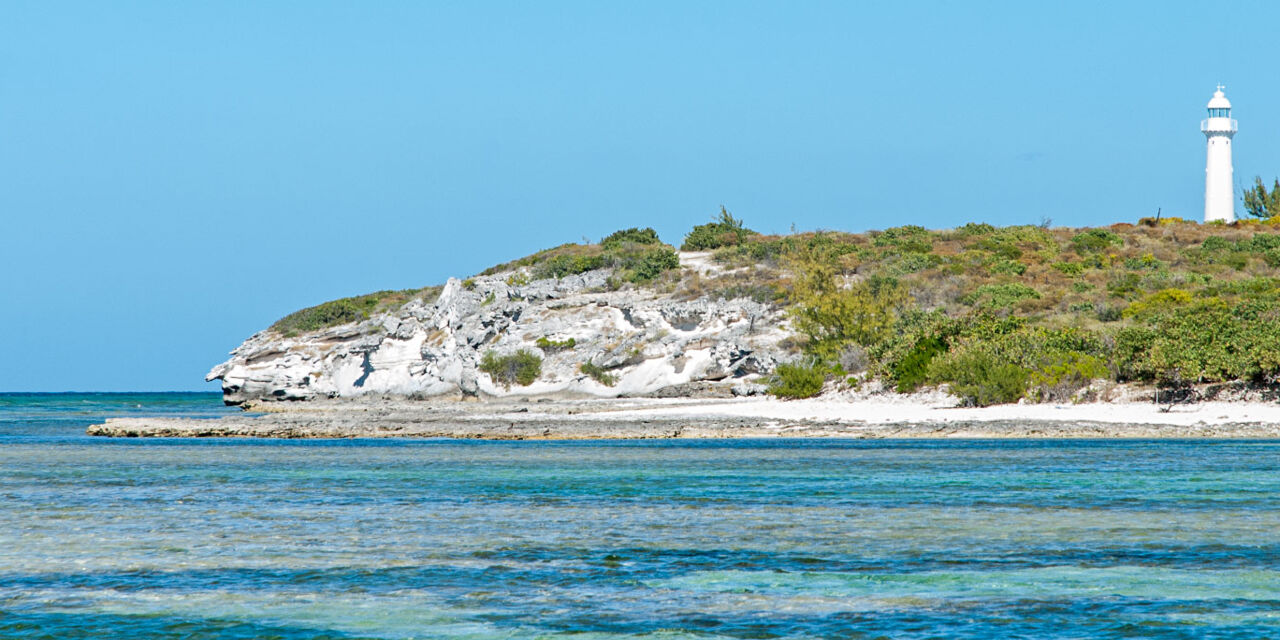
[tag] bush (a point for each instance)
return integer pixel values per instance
(345, 310)
(522, 367)
(598, 373)
(1158, 302)
(1072, 269)
(1206, 341)
(797, 381)
(907, 239)
(1095, 241)
(913, 370)
(999, 296)
(980, 379)
(632, 235)
(563, 265)
(832, 318)
(648, 264)
(552, 346)
(1059, 379)
(724, 231)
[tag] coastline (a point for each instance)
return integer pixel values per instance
(875, 417)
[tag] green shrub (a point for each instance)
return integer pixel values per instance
(598, 373)
(563, 265)
(518, 279)
(976, 229)
(912, 262)
(999, 296)
(522, 367)
(1146, 262)
(831, 318)
(1058, 379)
(1158, 302)
(797, 381)
(1072, 269)
(345, 310)
(980, 379)
(908, 239)
(1095, 241)
(1006, 266)
(1209, 340)
(722, 232)
(647, 265)
(632, 235)
(913, 370)
(552, 346)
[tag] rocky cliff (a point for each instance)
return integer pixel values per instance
(637, 340)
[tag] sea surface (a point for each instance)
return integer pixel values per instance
(194, 539)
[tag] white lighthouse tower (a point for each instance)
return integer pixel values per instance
(1219, 128)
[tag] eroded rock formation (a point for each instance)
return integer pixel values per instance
(649, 343)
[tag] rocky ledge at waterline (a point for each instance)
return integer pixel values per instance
(589, 340)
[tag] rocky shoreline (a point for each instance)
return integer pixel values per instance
(711, 419)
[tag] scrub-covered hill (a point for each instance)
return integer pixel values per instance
(996, 314)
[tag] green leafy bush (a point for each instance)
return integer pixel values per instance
(345, 310)
(646, 265)
(1059, 378)
(999, 296)
(568, 264)
(909, 239)
(1096, 241)
(632, 235)
(1159, 302)
(522, 367)
(552, 346)
(724, 231)
(797, 381)
(1006, 266)
(598, 373)
(831, 318)
(913, 370)
(1207, 341)
(980, 379)
(1069, 268)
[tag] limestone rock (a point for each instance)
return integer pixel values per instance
(650, 343)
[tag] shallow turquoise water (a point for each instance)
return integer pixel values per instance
(745, 539)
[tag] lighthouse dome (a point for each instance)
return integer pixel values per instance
(1219, 101)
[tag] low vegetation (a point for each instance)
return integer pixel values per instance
(1002, 314)
(345, 310)
(598, 373)
(522, 367)
(998, 314)
(797, 380)
(724, 231)
(555, 346)
(637, 256)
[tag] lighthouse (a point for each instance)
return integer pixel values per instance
(1218, 128)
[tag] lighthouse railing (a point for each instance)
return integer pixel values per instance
(1219, 124)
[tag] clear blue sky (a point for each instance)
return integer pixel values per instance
(176, 175)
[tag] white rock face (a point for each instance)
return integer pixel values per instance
(652, 344)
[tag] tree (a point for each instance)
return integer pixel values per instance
(1261, 204)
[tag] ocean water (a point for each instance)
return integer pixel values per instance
(177, 538)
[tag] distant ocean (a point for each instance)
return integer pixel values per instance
(195, 539)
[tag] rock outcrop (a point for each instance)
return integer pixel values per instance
(647, 343)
